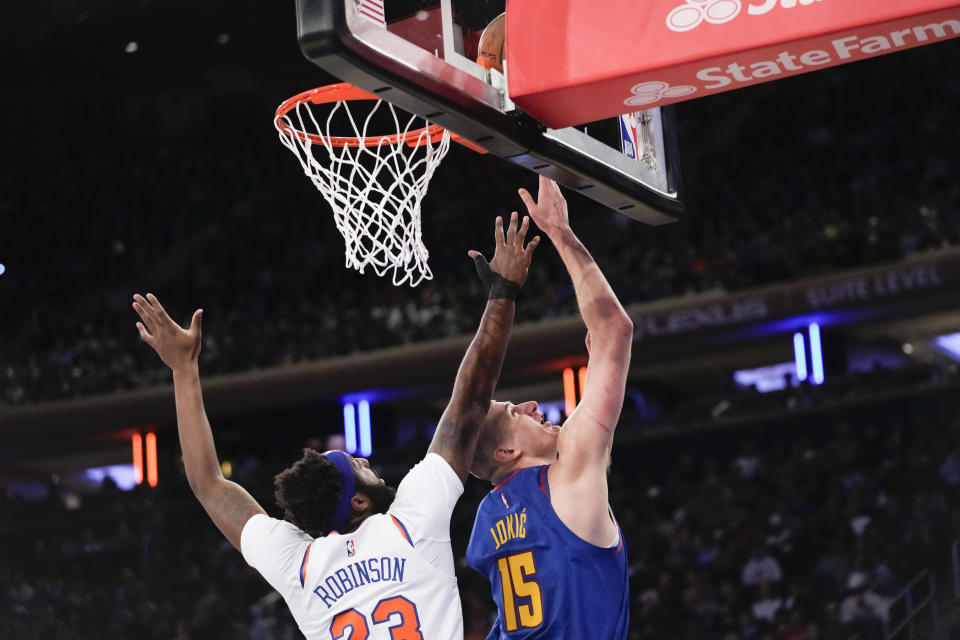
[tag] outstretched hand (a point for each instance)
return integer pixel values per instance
(177, 347)
(549, 210)
(511, 259)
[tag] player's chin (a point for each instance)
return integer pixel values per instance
(550, 428)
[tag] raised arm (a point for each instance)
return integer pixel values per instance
(588, 432)
(227, 503)
(456, 436)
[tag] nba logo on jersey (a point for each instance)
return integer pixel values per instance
(628, 135)
(351, 549)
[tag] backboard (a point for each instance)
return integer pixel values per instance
(420, 55)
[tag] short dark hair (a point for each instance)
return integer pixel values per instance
(308, 492)
(493, 433)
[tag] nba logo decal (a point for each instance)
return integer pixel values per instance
(351, 549)
(628, 135)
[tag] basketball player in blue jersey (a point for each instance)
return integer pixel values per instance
(545, 536)
(350, 559)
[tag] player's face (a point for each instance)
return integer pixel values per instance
(363, 473)
(533, 433)
(372, 485)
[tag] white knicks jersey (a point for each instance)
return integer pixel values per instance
(391, 578)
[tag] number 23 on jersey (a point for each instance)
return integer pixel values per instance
(353, 625)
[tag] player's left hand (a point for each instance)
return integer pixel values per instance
(549, 210)
(177, 347)
(511, 259)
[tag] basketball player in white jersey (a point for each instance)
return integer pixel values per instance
(347, 562)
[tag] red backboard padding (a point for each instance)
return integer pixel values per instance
(576, 61)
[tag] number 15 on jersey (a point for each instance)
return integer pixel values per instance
(517, 581)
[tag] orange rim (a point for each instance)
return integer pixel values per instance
(346, 92)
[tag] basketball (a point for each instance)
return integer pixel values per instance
(490, 49)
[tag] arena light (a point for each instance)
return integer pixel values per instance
(772, 377)
(949, 342)
(569, 391)
(137, 458)
(553, 411)
(151, 441)
(816, 354)
(582, 380)
(123, 475)
(350, 427)
(3, 269)
(800, 356)
(366, 442)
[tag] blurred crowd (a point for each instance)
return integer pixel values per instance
(812, 534)
(805, 541)
(232, 226)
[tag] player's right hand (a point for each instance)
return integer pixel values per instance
(177, 347)
(549, 210)
(511, 259)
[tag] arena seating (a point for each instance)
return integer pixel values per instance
(806, 533)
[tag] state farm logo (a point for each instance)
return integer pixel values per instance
(655, 91)
(690, 14)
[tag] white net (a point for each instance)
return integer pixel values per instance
(374, 187)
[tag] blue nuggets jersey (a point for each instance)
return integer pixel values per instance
(546, 581)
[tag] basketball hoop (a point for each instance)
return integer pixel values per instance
(373, 183)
